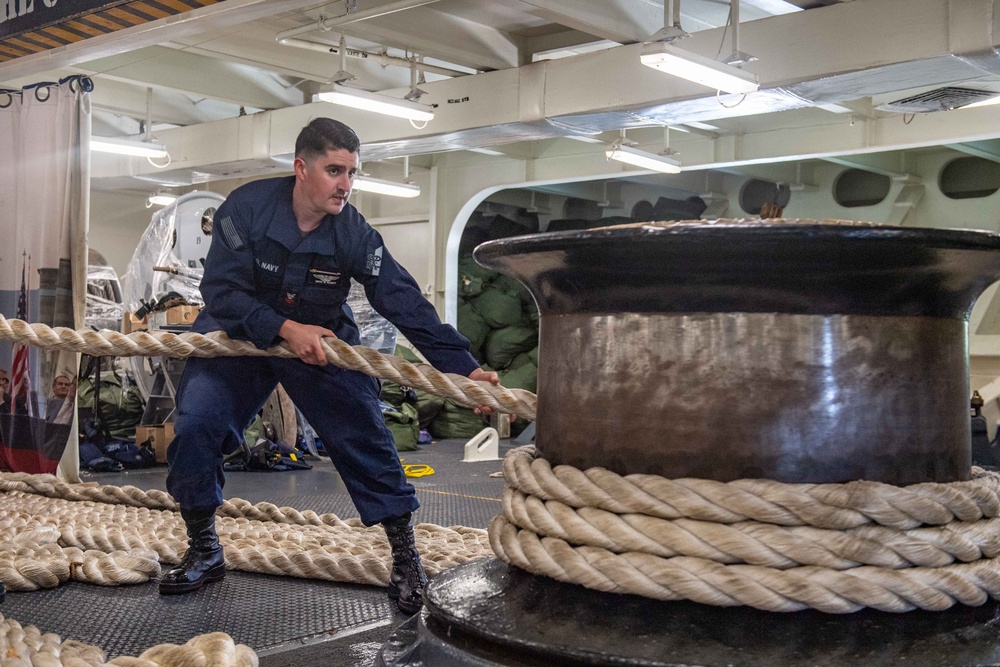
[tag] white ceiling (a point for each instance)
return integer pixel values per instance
(822, 62)
(209, 75)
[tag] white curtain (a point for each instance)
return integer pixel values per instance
(44, 211)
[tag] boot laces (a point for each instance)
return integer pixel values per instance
(407, 564)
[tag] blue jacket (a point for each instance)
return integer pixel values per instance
(260, 272)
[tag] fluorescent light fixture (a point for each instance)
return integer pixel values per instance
(377, 103)
(693, 67)
(161, 199)
(127, 147)
(391, 188)
(638, 158)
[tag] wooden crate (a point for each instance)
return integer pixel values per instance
(159, 434)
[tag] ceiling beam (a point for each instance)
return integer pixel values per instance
(170, 69)
(167, 106)
(622, 21)
(129, 99)
(220, 16)
(469, 44)
(885, 164)
(988, 150)
(562, 40)
(546, 100)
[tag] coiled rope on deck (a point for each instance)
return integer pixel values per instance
(777, 547)
(46, 540)
(22, 646)
(107, 343)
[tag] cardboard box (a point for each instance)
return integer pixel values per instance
(174, 316)
(159, 434)
(132, 323)
(182, 314)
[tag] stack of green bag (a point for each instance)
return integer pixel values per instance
(411, 409)
(498, 316)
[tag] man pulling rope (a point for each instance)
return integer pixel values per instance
(281, 266)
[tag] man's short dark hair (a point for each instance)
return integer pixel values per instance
(325, 134)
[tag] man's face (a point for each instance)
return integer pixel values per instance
(4, 382)
(325, 182)
(60, 387)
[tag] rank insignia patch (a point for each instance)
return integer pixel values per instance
(323, 277)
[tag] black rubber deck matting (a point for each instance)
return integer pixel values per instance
(258, 610)
(270, 614)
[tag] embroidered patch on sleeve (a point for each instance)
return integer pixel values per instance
(373, 264)
(230, 236)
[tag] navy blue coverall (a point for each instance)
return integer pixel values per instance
(261, 271)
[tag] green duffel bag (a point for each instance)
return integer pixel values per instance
(503, 345)
(472, 278)
(472, 326)
(456, 421)
(402, 420)
(499, 305)
(524, 376)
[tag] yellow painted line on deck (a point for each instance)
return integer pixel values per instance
(460, 495)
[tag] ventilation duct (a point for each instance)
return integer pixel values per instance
(940, 99)
(546, 100)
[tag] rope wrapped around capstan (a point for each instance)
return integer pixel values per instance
(778, 547)
(837, 548)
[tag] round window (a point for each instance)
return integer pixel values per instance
(969, 177)
(857, 187)
(756, 192)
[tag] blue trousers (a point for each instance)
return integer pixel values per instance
(218, 398)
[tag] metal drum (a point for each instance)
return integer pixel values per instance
(790, 350)
(795, 351)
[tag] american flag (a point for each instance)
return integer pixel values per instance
(21, 380)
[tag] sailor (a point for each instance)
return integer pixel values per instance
(280, 267)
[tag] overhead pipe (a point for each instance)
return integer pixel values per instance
(383, 59)
(325, 24)
(374, 12)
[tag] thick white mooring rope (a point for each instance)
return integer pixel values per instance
(27, 647)
(52, 532)
(773, 546)
(777, 547)
(107, 343)
(45, 541)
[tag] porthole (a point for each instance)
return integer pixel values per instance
(756, 192)
(969, 178)
(642, 211)
(857, 187)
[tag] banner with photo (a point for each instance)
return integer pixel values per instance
(44, 193)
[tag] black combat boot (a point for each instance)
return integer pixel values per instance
(407, 581)
(204, 560)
